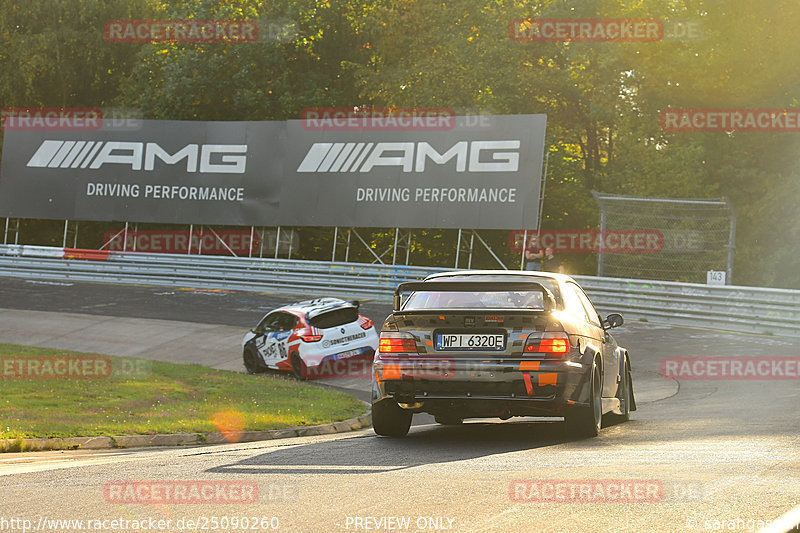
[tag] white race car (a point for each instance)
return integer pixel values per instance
(313, 338)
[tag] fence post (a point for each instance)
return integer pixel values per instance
(731, 244)
(335, 238)
(458, 247)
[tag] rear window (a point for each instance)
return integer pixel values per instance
(475, 300)
(334, 318)
(546, 282)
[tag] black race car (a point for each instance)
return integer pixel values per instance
(480, 344)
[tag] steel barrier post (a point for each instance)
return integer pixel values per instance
(471, 248)
(394, 250)
(601, 251)
(335, 238)
(524, 246)
(125, 239)
(277, 241)
(189, 245)
(731, 243)
(458, 247)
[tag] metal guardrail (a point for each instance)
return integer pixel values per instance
(732, 308)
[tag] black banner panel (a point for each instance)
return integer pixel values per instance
(479, 173)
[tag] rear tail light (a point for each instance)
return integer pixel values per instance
(392, 342)
(367, 323)
(554, 345)
(307, 336)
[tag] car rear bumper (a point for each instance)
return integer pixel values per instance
(474, 388)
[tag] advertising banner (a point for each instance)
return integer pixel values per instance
(478, 172)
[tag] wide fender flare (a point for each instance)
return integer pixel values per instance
(623, 357)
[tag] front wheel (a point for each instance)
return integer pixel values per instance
(299, 367)
(389, 419)
(252, 362)
(586, 421)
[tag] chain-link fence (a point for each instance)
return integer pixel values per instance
(694, 237)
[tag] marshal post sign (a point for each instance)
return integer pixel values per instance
(482, 173)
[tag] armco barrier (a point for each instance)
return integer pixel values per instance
(733, 308)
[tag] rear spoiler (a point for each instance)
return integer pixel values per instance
(473, 286)
(341, 305)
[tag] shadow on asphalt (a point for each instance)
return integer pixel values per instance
(426, 444)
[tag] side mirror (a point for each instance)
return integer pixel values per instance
(356, 303)
(614, 320)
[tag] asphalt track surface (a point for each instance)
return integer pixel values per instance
(726, 453)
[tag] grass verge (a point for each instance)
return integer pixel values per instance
(142, 397)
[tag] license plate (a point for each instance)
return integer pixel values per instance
(471, 341)
(349, 353)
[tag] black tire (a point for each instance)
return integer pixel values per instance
(586, 421)
(252, 362)
(448, 420)
(299, 367)
(625, 396)
(390, 420)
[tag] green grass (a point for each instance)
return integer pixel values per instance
(160, 397)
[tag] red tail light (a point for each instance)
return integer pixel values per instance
(310, 338)
(367, 323)
(554, 344)
(397, 343)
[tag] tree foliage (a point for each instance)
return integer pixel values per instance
(602, 99)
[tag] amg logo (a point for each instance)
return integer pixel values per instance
(140, 156)
(411, 156)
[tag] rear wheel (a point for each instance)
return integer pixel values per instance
(252, 362)
(389, 419)
(299, 367)
(586, 421)
(625, 396)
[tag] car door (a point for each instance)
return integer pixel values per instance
(610, 354)
(592, 328)
(269, 336)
